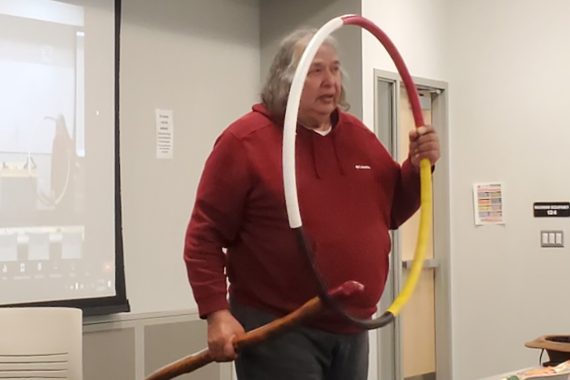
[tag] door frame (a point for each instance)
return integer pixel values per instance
(389, 346)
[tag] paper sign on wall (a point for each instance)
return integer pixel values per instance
(164, 134)
(488, 201)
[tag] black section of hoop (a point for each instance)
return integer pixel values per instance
(323, 289)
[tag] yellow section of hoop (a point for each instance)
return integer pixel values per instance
(424, 232)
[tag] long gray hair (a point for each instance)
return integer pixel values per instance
(276, 89)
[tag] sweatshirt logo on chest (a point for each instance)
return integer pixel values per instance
(362, 167)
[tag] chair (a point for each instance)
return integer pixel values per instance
(40, 343)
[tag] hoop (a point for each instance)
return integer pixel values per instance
(289, 175)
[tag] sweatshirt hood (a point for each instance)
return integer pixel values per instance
(262, 109)
(323, 149)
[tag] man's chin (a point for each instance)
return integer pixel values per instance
(327, 108)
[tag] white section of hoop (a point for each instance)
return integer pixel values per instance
(291, 113)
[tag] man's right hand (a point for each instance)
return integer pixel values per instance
(223, 329)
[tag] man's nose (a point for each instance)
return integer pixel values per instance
(329, 78)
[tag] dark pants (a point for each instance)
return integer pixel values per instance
(301, 353)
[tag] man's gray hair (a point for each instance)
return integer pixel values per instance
(276, 89)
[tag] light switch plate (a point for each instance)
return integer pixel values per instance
(552, 239)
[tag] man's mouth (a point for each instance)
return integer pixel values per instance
(326, 98)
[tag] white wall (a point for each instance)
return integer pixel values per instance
(509, 77)
(200, 59)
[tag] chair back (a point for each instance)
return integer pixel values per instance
(41, 342)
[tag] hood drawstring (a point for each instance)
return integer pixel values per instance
(312, 136)
(315, 149)
(337, 156)
(313, 155)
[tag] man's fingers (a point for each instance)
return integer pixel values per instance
(422, 130)
(222, 351)
(229, 351)
(417, 133)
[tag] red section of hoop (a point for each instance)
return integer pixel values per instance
(398, 61)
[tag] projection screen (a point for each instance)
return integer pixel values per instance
(60, 208)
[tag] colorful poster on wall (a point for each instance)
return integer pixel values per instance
(488, 202)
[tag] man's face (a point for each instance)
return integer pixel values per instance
(321, 91)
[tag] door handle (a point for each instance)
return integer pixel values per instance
(428, 264)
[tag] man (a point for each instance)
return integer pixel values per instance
(351, 193)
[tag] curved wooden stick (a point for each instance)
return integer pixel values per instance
(258, 335)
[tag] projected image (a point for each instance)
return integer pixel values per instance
(50, 243)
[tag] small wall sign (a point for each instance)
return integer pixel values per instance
(551, 209)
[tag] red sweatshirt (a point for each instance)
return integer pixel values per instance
(351, 193)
